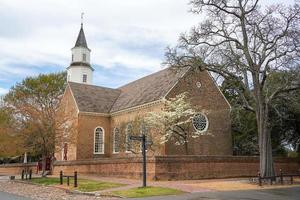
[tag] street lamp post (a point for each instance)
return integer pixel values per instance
(142, 139)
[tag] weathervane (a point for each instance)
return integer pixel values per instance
(82, 18)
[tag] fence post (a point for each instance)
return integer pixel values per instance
(61, 177)
(75, 179)
(26, 173)
(30, 174)
(259, 179)
(281, 177)
(22, 176)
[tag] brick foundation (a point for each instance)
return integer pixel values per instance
(166, 167)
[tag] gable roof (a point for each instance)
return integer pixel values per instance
(91, 98)
(150, 88)
(147, 89)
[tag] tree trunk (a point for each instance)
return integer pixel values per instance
(265, 144)
(186, 148)
(186, 144)
(44, 160)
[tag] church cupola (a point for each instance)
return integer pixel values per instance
(80, 69)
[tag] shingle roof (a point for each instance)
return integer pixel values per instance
(91, 98)
(145, 90)
(81, 41)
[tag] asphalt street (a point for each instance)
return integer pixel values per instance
(292, 193)
(7, 196)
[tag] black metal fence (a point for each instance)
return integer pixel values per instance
(62, 176)
(279, 178)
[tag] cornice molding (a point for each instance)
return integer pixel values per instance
(128, 110)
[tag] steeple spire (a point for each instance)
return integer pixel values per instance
(80, 69)
(81, 41)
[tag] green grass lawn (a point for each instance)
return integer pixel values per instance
(46, 181)
(147, 192)
(84, 185)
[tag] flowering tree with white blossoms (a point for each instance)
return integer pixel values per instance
(174, 121)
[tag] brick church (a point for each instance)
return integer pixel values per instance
(100, 113)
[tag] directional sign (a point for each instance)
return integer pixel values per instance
(139, 138)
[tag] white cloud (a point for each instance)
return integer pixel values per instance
(131, 33)
(3, 91)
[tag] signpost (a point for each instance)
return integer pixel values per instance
(142, 139)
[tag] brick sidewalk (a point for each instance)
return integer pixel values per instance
(190, 186)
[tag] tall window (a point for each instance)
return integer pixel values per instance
(116, 142)
(84, 78)
(84, 57)
(128, 134)
(99, 141)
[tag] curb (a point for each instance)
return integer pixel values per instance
(97, 194)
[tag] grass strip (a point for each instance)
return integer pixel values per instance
(147, 192)
(84, 185)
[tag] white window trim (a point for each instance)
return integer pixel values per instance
(207, 123)
(114, 144)
(103, 136)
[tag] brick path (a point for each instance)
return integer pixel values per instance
(36, 192)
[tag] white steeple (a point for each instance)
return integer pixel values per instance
(80, 70)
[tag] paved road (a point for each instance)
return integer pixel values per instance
(7, 196)
(292, 193)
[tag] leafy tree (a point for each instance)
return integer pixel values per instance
(244, 44)
(10, 143)
(174, 121)
(38, 115)
(284, 121)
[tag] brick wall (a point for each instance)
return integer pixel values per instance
(16, 168)
(199, 167)
(210, 100)
(117, 167)
(167, 167)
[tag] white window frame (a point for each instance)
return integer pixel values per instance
(103, 136)
(114, 140)
(207, 123)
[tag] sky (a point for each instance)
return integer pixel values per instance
(128, 38)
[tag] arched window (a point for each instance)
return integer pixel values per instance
(128, 134)
(116, 142)
(200, 122)
(99, 141)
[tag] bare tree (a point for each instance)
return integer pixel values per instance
(245, 43)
